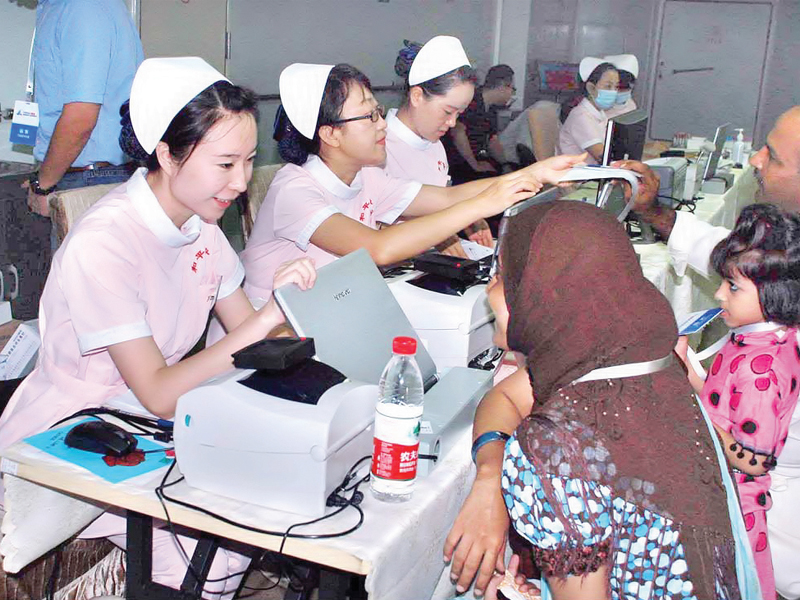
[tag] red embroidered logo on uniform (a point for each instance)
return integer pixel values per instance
(442, 166)
(198, 255)
(364, 207)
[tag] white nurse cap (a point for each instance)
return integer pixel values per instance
(301, 86)
(160, 90)
(624, 62)
(440, 55)
(589, 64)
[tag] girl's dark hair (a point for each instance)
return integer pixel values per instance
(595, 75)
(191, 124)
(764, 247)
(293, 146)
(438, 86)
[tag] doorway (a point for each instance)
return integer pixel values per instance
(709, 67)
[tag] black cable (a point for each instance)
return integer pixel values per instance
(354, 501)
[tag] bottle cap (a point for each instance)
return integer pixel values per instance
(404, 345)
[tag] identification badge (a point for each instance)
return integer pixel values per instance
(25, 123)
(698, 320)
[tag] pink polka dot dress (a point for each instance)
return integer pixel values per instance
(751, 392)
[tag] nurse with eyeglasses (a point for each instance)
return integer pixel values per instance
(334, 197)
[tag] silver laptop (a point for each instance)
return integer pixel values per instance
(353, 317)
(713, 159)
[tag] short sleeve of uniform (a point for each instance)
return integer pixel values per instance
(99, 279)
(585, 131)
(229, 267)
(86, 35)
(299, 207)
(391, 195)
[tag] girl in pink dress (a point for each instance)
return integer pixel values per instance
(752, 387)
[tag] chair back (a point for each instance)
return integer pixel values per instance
(67, 206)
(256, 192)
(545, 125)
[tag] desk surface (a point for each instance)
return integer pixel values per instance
(394, 542)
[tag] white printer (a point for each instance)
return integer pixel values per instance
(455, 326)
(250, 445)
(671, 172)
(235, 441)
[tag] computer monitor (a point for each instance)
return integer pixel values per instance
(625, 137)
(713, 159)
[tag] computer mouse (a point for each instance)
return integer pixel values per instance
(101, 437)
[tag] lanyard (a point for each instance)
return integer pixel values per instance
(695, 357)
(628, 370)
(29, 83)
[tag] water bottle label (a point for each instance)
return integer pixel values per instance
(394, 461)
(396, 443)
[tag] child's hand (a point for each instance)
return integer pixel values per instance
(682, 349)
(512, 584)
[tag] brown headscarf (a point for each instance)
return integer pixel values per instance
(578, 301)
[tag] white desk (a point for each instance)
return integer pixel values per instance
(398, 548)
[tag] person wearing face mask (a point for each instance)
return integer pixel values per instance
(628, 68)
(472, 145)
(585, 127)
(440, 83)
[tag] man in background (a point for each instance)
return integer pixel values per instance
(85, 55)
(473, 149)
(690, 241)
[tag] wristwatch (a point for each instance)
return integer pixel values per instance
(38, 190)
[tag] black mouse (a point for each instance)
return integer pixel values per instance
(101, 437)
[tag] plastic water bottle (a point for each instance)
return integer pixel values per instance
(397, 422)
(738, 148)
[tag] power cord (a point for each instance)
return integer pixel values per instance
(336, 498)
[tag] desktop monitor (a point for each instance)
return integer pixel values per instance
(625, 137)
(713, 159)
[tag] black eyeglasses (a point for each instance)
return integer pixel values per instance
(379, 112)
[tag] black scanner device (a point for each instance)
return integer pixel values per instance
(101, 437)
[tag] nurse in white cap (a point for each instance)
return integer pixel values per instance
(440, 83)
(332, 198)
(131, 287)
(585, 127)
(628, 67)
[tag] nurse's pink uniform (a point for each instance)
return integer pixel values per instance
(123, 272)
(409, 156)
(299, 199)
(585, 126)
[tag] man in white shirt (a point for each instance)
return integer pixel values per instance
(690, 241)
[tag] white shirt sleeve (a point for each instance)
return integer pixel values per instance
(691, 243)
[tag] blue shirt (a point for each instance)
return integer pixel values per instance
(85, 51)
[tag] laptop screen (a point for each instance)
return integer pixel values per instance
(353, 317)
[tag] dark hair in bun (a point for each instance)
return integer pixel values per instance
(191, 124)
(438, 86)
(293, 146)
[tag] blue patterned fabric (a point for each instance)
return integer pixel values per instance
(648, 557)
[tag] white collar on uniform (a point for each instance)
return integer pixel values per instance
(593, 110)
(401, 130)
(330, 181)
(157, 221)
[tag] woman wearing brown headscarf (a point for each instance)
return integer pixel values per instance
(614, 481)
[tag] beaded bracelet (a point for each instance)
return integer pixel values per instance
(485, 438)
